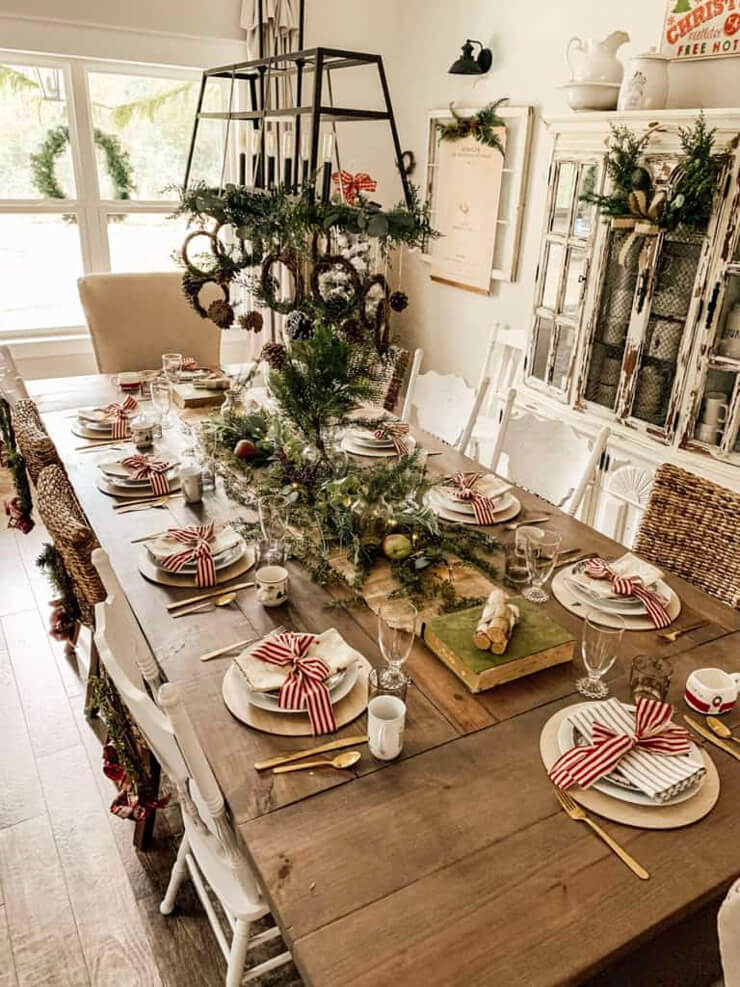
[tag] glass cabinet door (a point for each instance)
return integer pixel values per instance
(562, 274)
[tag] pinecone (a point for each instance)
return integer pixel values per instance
(352, 330)
(221, 313)
(399, 300)
(298, 325)
(251, 322)
(274, 355)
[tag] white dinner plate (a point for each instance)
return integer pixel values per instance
(357, 449)
(565, 596)
(632, 608)
(117, 489)
(222, 561)
(366, 438)
(270, 702)
(440, 509)
(224, 537)
(566, 740)
(116, 469)
(448, 499)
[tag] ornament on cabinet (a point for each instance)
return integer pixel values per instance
(645, 84)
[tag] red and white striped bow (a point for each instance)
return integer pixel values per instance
(120, 414)
(149, 469)
(624, 586)
(394, 431)
(352, 185)
(306, 681)
(654, 732)
(198, 541)
(483, 507)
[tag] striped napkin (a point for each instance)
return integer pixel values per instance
(659, 776)
(149, 469)
(197, 541)
(120, 415)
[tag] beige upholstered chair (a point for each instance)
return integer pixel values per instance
(692, 528)
(37, 449)
(134, 318)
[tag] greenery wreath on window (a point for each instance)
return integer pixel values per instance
(269, 284)
(43, 163)
(482, 125)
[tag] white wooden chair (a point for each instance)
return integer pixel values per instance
(12, 387)
(546, 456)
(210, 850)
(625, 499)
(502, 363)
(728, 928)
(442, 404)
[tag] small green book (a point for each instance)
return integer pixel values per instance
(537, 642)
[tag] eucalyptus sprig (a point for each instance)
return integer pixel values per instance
(482, 125)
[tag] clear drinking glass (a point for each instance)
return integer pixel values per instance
(162, 401)
(516, 572)
(396, 628)
(650, 676)
(542, 554)
(386, 682)
(273, 542)
(599, 649)
(172, 366)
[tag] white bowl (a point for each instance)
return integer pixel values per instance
(592, 95)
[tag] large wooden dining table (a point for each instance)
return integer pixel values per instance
(453, 865)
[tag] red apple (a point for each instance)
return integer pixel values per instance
(245, 449)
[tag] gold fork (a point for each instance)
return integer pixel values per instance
(578, 813)
(672, 636)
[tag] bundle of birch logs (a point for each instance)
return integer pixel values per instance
(496, 624)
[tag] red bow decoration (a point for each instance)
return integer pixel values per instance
(148, 469)
(352, 185)
(17, 516)
(198, 549)
(127, 804)
(624, 586)
(394, 431)
(465, 489)
(306, 681)
(654, 732)
(120, 415)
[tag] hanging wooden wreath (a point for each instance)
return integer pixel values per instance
(216, 252)
(345, 302)
(192, 285)
(269, 285)
(250, 255)
(43, 163)
(378, 321)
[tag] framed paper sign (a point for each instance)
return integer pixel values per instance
(701, 29)
(469, 189)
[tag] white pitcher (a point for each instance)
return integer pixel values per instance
(596, 61)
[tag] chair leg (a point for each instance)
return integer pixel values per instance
(91, 710)
(177, 876)
(238, 954)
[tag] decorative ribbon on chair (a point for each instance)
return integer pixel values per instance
(624, 586)
(654, 732)
(197, 540)
(149, 469)
(119, 413)
(394, 431)
(465, 489)
(18, 517)
(306, 680)
(352, 185)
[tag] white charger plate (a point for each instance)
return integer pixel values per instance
(575, 604)
(357, 449)
(116, 470)
(566, 740)
(270, 702)
(117, 489)
(439, 508)
(447, 498)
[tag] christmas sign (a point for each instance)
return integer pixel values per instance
(701, 29)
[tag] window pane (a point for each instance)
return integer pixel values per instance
(33, 104)
(575, 276)
(566, 180)
(563, 356)
(152, 118)
(144, 242)
(585, 211)
(554, 265)
(542, 348)
(40, 262)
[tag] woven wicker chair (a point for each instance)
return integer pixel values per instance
(37, 449)
(692, 528)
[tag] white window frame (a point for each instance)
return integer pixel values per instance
(91, 210)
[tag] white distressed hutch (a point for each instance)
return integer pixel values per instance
(636, 343)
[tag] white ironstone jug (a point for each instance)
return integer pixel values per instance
(596, 61)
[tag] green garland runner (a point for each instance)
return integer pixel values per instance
(482, 125)
(43, 163)
(18, 508)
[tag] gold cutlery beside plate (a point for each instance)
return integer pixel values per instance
(220, 601)
(721, 729)
(707, 734)
(341, 762)
(671, 636)
(578, 814)
(332, 745)
(237, 645)
(513, 525)
(205, 596)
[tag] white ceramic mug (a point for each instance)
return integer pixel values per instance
(386, 718)
(708, 433)
(715, 408)
(272, 585)
(710, 690)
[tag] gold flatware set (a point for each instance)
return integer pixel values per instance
(671, 636)
(577, 813)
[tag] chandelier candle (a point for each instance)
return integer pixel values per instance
(270, 159)
(288, 159)
(327, 151)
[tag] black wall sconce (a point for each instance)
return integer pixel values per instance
(466, 64)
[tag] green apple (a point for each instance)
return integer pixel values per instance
(396, 547)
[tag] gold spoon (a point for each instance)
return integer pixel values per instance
(721, 729)
(341, 761)
(220, 601)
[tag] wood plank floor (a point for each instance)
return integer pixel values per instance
(78, 904)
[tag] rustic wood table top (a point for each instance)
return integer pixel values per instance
(453, 865)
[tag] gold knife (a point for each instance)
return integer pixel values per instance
(333, 745)
(712, 738)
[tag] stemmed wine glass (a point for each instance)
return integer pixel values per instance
(396, 628)
(541, 554)
(599, 649)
